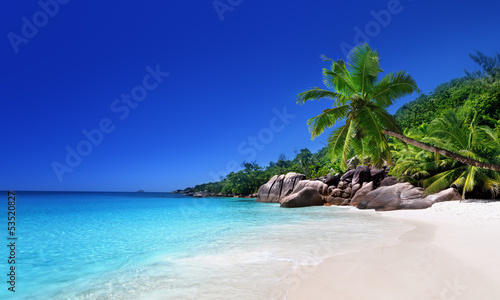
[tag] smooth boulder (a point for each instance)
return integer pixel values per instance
(307, 196)
(361, 193)
(449, 194)
(315, 184)
(398, 196)
(388, 181)
(278, 187)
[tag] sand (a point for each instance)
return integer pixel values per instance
(452, 252)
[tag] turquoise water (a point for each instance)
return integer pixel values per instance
(164, 246)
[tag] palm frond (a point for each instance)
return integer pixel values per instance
(317, 94)
(441, 180)
(327, 119)
(364, 67)
(393, 86)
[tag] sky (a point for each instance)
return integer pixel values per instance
(162, 95)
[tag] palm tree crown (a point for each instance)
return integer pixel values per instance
(361, 99)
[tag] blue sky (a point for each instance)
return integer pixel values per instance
(210, 83)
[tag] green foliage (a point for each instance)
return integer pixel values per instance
(490, 65)
(360, 98)
(248, 180)
(435, 172)
(479, 93)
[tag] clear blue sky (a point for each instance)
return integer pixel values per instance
(65, 68)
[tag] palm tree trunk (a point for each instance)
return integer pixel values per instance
(457, 157)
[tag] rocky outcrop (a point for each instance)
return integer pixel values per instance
(279, 187)
(356, 187)
(361, 193)
(403, 196)
(185, 192)
(307, 196)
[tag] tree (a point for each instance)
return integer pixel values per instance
(436, 172)
(361, 99)
(490, 65)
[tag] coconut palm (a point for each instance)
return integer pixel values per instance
(414, 164)
(469, 140)
(360, 99)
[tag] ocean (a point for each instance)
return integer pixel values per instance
(166, 246)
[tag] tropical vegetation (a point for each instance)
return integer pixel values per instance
(449, 137)
(248, 180)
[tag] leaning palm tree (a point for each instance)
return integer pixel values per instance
(414, 164)
(470, 140)
(361, 100)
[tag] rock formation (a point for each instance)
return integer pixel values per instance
(404, 196)
(307, 196)
(363, 187)
(278, 187)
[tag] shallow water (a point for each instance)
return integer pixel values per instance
(164, 246)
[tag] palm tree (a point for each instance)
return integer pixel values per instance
(413, 164)
(470, 140)
(361, 99)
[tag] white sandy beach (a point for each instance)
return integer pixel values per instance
(453, 252)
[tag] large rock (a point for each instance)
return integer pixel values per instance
(361, 175)
(388, 181)
(377, 174)
(332, 179)
(336, 192)
(355, 188)
(263, 193)
(278, 187)
(361, 193)
(450, 194)
(289, 183)
(398, 196)
(335, 200)
(307, 196)
(347, 177)
(342, 185)
(315, 184)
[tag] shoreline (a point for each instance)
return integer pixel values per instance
(452, 253)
